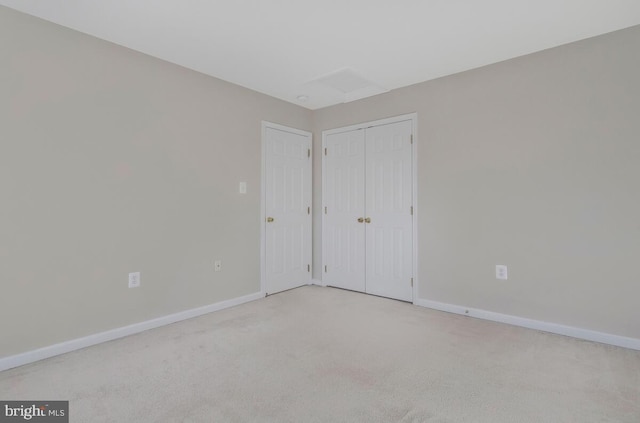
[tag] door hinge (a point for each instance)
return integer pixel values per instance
(325, 151)
(411, 282)
(325, 209)
(411, 138)
(309, 210)
(411, 210)
(325, 268)
(308, 268)
(308, 152)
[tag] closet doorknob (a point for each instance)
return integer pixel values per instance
(269, 219)
(368, 220)
(360, 219)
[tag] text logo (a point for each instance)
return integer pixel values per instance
(34, 411)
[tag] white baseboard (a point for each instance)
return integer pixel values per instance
(589, 335)
(98, 338)
(317, 282)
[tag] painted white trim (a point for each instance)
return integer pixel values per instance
(414, 201)
(263, 193)
(394, 119)
(323, 236)
(98, 338)
(589, 335)
(317, 282)
(413, 117)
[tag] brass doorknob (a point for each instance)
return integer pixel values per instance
(368, 220)
(360, 219)
(269, 219)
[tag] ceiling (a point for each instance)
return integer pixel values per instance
(323, 52)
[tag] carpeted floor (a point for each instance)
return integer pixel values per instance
(326, 355)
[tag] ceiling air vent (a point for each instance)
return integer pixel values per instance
(350, 84)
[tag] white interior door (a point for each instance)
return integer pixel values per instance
(389, 227)
(368, 176)
(287, 206)
(343, 241)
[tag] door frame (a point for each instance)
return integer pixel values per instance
(263, 194)
(413, 117)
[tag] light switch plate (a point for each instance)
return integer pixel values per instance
(243, 188)
(501, 272)
(134, 280)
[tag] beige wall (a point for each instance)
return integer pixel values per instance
(533, 163)
(112, 162)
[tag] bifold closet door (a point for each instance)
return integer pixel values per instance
(389, 213)
(344, 197)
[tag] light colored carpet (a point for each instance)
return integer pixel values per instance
(325, 355)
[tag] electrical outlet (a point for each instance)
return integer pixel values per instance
(501, 271)
(217, 265)
(134, 280)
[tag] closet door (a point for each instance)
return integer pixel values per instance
(344, 227)
(389, 227)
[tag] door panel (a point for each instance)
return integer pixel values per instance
(389, 235)
(287, 203)
(344, 200)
